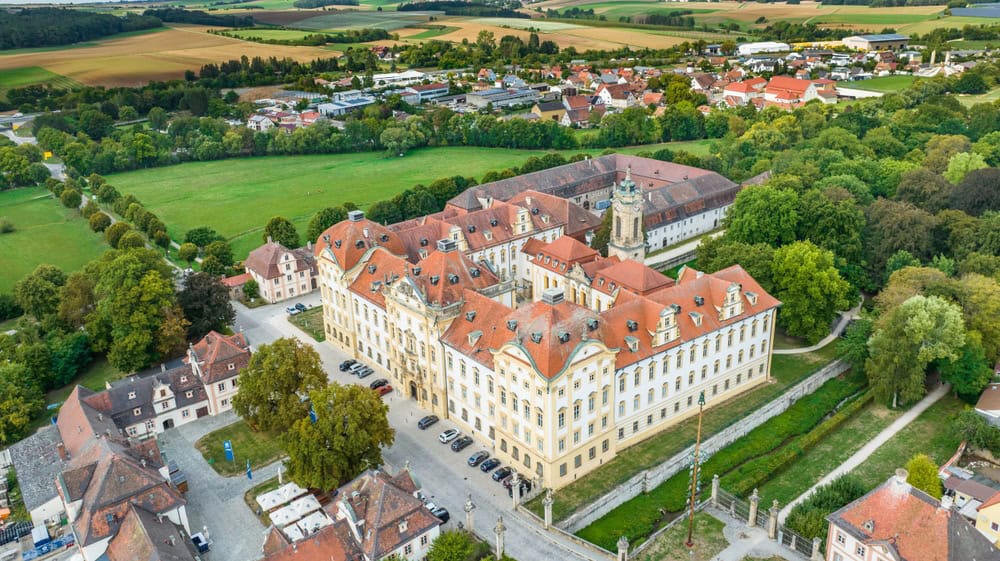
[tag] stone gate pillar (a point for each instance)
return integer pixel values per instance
(499, 530)
(469, 507)
(622, 549)
(754, 503)
(515, 490)
(715, 490)
(547, 503)
(772, 522)
(817, 555)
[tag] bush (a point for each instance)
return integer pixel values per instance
(115, 232)
(808, 517)
(70, 198)
(9, 308)
(251, 290)
(99, 222)
(6, 226)
(90, 209)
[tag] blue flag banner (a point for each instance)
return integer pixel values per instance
(312, 414)
(227, 445)
(249, 472)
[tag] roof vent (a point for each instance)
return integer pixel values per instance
(869, 525)
(435, 279)
(356, 215)
(338, 243)
(632, 325)
(384, 238)
(371, 269)
(359, 244)
(423, 242)
(474, 272)
(699, 301)
(563, 337)
(376, 285)
(512, 324)
(676, 308)
(453, 278)
(470, 315)
(592, 324)
(493, 222)
(472, 228)
(416, 271)
(536, 336)
(552, 296)
(534, 210)
(446, 246)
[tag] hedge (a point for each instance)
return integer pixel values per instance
(637, 518)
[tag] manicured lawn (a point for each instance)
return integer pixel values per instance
(930, 434)
(670, 545)
(261, 448)
(238, 196)
(676, 269)
(310, 321)
(825, 456)
(786, 371)
(46, 232)
(884, 84)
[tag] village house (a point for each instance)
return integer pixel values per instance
(282, 273)
(617, 96)
(260, 123)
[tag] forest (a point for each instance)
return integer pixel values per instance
(46, 27)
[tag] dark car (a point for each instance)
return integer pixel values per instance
(489, 464)
(461, 444)
(347, 364)
(300, 307)
(427, 421)
(442, 514)
(477, 458)
(502, 473)
(378, 383)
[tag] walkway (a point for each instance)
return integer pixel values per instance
(748, 542)
(870, 448)
(845, 318)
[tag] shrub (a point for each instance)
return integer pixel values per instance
(6, 226)
(251, 290)
(70, 198)
(808, 517)
(9, 308)
(90, 209)
(115, 232)
(99, 222)
(131, 240)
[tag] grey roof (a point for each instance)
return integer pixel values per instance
(121, 405)
(884, 37)
(682, 200)
(37, 463)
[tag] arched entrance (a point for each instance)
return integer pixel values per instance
(413, 390)
(168, 424)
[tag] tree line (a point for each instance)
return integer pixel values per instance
(44, 27)
(197, 17)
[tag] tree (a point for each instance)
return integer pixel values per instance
(251, 290)
(854, 345)
(282, 231)
(90, 209)
(220, 250)
(213, 266)
(352, 426)
(831, 220)
(961, 164)
(757, 259)
(187, 252)
(602, 237)
(900, 260)
(38, 292)
(76, 300)
(893, 226)
(978, 192)
(977, 431)
(21, 401)
(925, 189)
(397, 140)
(452, 545)
(763, 214)
(205, 302)
(810, 288)
(201, 236)
(70, 198)
(274, 383)
(979, 297)
(131, 240)
(923, 474)
(969, 373)
(941, 148)
(324, 219)
(908, 338)
(68, 354)
(113, 233)
(157, 118)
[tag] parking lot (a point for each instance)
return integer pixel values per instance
(445, 476)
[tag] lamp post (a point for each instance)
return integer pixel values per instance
(694, 473)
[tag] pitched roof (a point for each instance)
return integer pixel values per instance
(334, 541)
(220, 356)
(445, 274)
(989, 400)
(268, 260)
(473, 332)
(37, 462)
(577, 221)
(381, 269)
(912, 524)
(787, 84)
(142, 536)
(633, 276)
(351, 239)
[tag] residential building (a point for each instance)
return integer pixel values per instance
(282, 273)
(217, 360)
(549, 110)
(788, 92)
(260, 123)
(988, 519)
(145, 536)
(375, 516)
(899, 521)
(618, 96)
(877, 42)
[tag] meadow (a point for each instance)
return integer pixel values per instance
(884, 84)
(32, 75)
(45, 233)
(363, 20)
(270, 34)
(238, 196)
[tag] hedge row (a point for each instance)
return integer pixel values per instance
(638, 518)
(751, 475)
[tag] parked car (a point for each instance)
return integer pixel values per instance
(442, 514)
(477, 458)
(365, 372)
(461, 444)
(344, 366)
(292, 310)
(502, 473)
(355, 368)
(489, 464)
(427, 421)
(378, 383)
(448, 435)
(300, 307)
(383, 390)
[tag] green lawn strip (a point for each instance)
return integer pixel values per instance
(261, 448)
(676, 269)
(885, 83)
(250, 498)
(311, 322)
(18, 512)
(45, 232)
(431, 33)
(786, 370)
(827, 455)
(930, 434)
(637, 518)
(670, 545)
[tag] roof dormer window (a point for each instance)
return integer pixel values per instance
(137, 411)
(184, 379)
(231, 366)
(131, 395)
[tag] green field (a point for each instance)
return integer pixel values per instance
(516, 23)
(616, 10)
(359, 20)
(884, 84)
(270, 34)
(32, 75)
(926, 26)
(45, 233)
(238, 196)
(888, 20)
(261, 448)
(432, 33)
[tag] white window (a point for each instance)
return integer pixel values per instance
(407, 549)
(423, 540)
(860, 551)
(221, 386)
(185, 413)
(231, 366)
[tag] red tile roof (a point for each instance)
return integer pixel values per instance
(238, 280)
(445, 274)
(787, 85)
(381, 269)
(633, 276)
(333, 542)
(351, 239)
(267, 260)
(215, 353)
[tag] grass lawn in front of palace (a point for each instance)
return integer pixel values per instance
(671, 545)
(311, 322)
(261, 448)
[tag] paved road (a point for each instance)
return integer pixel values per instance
(57, 171)
(873, 445)
(845, 318)
(444, 475)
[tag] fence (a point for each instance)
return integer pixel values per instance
(752, 514)
(642, 482)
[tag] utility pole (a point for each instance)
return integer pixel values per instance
(694, 473)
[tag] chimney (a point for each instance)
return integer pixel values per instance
(946, 502)
(552, 296)
(356, 216)
(901, 475)
(173, 539)
(100, 416)
(163, 367)
(62, 451)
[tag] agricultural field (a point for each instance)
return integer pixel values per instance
(527, 24)
(354, 19)
(45, 232)
(429, 33)
(137, 59)
(884, 84)
(270, 34)
(29, 76)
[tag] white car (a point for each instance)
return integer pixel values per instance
(448, 435)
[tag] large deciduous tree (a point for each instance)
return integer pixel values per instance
(205, 302)
(925, 189)
(978, 192)
(811, 289)
(763, 214)
(347, 437)
(893, 226)
(908, 338)
(20, 402)
(282, 231)
(324, 219)
(38, 292)
(757, 259)
(275, 383)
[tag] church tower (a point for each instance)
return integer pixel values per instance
(628, 240)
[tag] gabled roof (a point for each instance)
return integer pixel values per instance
(445, 274)
(351, 239)
(266, 260)
(215, 353)
(787, 84)
(143, 536)
(577, 221)
(474, 330)
(331, 542)
(380, 270)
(989, 400)
(633, 276)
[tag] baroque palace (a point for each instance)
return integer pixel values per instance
(496, 314)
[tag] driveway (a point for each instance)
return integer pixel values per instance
(443, 474)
